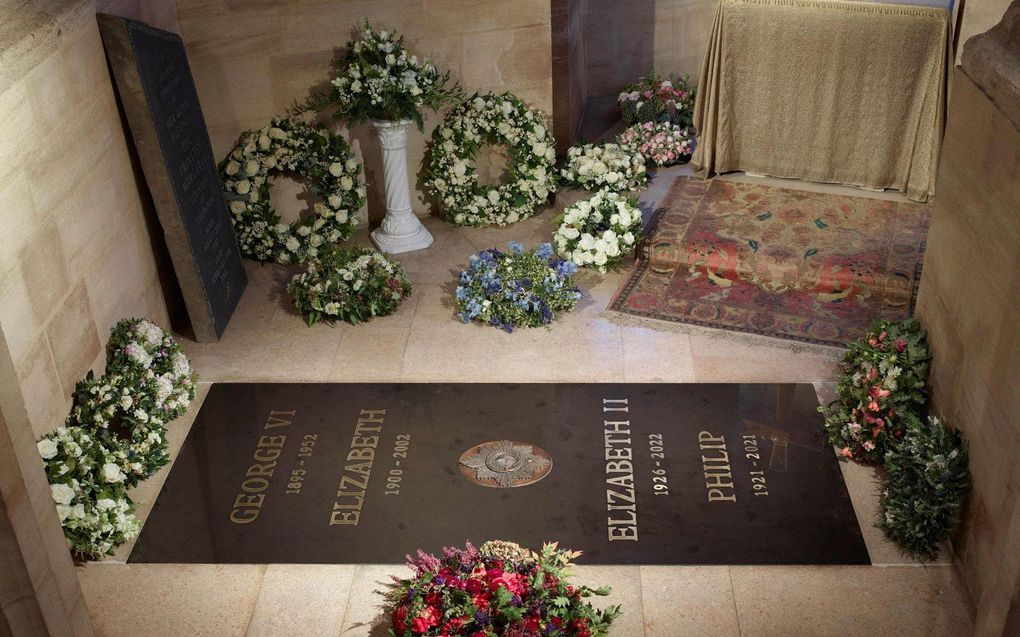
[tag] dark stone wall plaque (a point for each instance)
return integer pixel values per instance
(156, 88)
(627, 473)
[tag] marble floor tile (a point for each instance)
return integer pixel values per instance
(688, 600)
(370, 354)
(154, 600)
(302, 600)
(626, 584)
(850, 600)
(364, 616)
(300, 355)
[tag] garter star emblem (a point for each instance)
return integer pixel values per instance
(505, 463)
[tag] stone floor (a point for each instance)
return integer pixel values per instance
(268, 341)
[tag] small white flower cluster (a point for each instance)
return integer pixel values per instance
(379, 78)
(116, 434)
(349, 285)
(88, 488)
(614, 167)
(316, 154)
(599, 231)
(492, 119)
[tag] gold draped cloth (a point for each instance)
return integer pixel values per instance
(827, 91)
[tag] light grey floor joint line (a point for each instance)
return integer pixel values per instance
(255, 604)
(733, 593)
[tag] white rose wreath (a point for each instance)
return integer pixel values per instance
(492, 119)
(599, 231)
(316, 154)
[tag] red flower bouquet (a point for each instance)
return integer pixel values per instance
(881, 390)
(499, 589)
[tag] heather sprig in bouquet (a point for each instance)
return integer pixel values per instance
(516, 288)
(378, 78)
(497, 589)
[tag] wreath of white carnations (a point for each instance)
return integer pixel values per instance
(599, 231)
(318, 155)
(499, 120)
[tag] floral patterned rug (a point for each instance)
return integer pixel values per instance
(810, 267)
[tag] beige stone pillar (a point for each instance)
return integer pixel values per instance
(39, 590)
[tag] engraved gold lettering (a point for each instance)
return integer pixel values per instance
(619, 473)
(248, 503)
(358, 470)
(716, 464)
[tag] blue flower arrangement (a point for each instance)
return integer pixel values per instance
(517, 288)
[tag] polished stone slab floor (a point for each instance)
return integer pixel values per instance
(268, 341)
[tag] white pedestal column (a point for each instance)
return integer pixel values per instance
(400, 231)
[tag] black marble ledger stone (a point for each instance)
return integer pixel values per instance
(157, 91)
(640, 474)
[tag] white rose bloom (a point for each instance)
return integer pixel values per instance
(346, 182)
(293, 244)
(336, 169)
(62, 494)
(237, 207)
(63, 511)
(232, 167)
(538, 148)
(493, 196)
(304, 231)
(112, 473)
(277, 133)
(47, 448)
(282, 228)
(105, 504)
(126, 401)
(251, 167)
(243, 187)
(628, 238)
(264, 142)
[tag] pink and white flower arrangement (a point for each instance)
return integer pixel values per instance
(654, 99)
(662, 143)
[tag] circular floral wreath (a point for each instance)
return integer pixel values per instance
(320, 156)
(492, 119)
(599, 231)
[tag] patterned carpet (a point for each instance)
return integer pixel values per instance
(810, 267)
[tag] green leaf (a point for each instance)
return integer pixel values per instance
(765, 215)
(754, 244)
(810, 252)
(821, 223)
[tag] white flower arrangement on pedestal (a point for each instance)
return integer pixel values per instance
(492, 119)
(598, 232)
(614, 167)
(286, 146)
(377, 78)
(115, 435)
